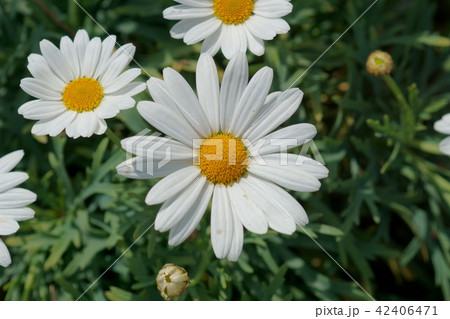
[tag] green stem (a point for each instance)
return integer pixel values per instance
(391, 158)
(58, 163)
(407, 118)
(113, 137)
(396, 90)
(203, 265)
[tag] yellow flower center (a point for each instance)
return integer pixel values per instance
(83, 95)
(233, 11)
(223, 158)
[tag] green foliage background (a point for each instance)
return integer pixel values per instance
(383, 213)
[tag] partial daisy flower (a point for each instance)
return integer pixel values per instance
(443, 126)
(233, 25)
(12, 201)
(79, 85)
(222, 148)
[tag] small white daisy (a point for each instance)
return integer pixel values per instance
(233, 25)
(443, 126)
(79, 85)
(222, 149)
(12, 201)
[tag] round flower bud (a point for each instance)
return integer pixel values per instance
(172, 281)
(379, 63)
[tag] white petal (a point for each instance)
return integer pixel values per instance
(123, 80)
(40, 70)
(238, 238)
(16, 198)
(180, 12)
(8, 226)
(57, 61)
(187, 101)
(160, 93)
(272, 8)
(233, 85)
(252, 100)
(213, 43)
(39, 90)
(107, 49)
(284, 139)
(260, 27)
(279, 25)
(101, 127)
(277, 219)
(208, 89)
(242, 39)
(167, 122)
(444, 146)
(255, 44)
(221, 222)
(92, 56)
(87, 123)
(175, 209)
(299, 162)
(172, 185)
(11, 180)
(119, 102)
(108, 108)
(180, 29)
(143, 168)
(130, 89)
(126, 50)
(233, 40)
(42, 110)
(286, 176)
(443, 125)
(113, 71)
(276, 113)
(156, 147)
(69, 50)
(187, 225)
(249, 214)
(9, 161)
(72, 129)
(81, 41)
(54, 126)
(282, 199)
(18, 214)
(202, 30)
(5, 258)
(196, 3)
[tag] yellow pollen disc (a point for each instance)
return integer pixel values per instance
(233, 11)
(223, 158)
(83, 95)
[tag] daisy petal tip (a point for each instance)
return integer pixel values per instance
(142, 106)
(150, 200)
(141, 87)
(232, 258)
(82, 33)
(19, 154)
(258, 52)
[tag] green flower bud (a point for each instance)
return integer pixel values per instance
(379, 63)
(172, 281)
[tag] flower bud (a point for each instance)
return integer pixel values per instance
(172, 281)
(379, 63)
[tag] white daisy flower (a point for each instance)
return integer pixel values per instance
(222, 148)
(12, 201)
(79, 85)
(233, 25)
(443, 126)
